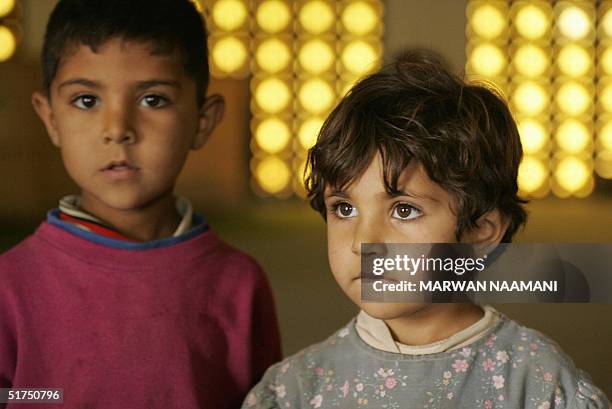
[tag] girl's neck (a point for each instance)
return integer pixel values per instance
(433, 322)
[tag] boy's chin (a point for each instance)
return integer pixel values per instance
(390, 311)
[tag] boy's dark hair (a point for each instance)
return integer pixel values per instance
(416, 109)
(168, 25)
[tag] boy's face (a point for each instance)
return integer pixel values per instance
(125, 120)
(366, 213)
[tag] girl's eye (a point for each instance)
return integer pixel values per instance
(154, 101)
(403, 211)
(86, 102)
(345, 210)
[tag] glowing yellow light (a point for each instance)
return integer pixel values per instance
(530, 98)
(359, 57)
(299, 173)
(531, 60)
(572, 136)
(603, 164)
(273, 16)
(359, 18)
(606, 61)
(316, 16)
(308, 132)
(532, 22)
(606, 23)
(574, 23)
(272, 95)
(573, 98)
(316, 56)
(316, 95)
(487, 59)
(605, 137)
(8, 43)
(531, 175)
(572, 174)
(229, 54)
(229, 14)
(605, 98)
(6, 6)
(574, 61)
(272, 135)
(273, 55)
(488, 21)
(273, 175)
(533, 135)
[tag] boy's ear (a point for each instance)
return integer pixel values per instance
(489, 231)
(42, 106)
(210, 115)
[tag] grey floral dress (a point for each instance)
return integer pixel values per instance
(509, 367)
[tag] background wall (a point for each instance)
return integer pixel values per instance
(287, 237)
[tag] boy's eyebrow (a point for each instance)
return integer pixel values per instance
(140, 84)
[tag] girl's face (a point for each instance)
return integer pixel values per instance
(365, 213)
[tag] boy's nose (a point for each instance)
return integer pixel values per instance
(117, 128)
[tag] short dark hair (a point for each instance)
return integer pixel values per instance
(168, 25)
(416, 108)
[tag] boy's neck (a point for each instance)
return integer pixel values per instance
(153, 221)
(434, 322)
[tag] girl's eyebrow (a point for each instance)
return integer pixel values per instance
(338, 193)
(412, 194)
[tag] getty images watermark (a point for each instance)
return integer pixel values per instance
(507, 273)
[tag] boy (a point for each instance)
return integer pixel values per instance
(415, 155)
(123, 297)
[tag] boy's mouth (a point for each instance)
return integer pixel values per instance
(119, 170)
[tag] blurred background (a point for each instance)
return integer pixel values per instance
(282, 66)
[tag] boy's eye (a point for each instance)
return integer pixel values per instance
(345, 210)
(403, 211)
(86, 102)
(154, 101)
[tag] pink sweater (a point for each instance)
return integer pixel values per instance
(189, 325)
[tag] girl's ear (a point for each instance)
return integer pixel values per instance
(489, 231)
(42, 106)
(210, 115)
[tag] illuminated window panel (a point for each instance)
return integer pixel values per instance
(8, 43)
(533, 176)
(229, 40)
(6, 7)
(10, 30)
(603, 145)
(272, 175)
(572, 175)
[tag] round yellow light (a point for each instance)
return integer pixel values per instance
(574, 23)
(273, 16)
(488, 21)
(316, 56)
(606, 61)
(273, 55)
(533, 135)
(229, 14)
(359, 57)
(603, 164)
(605, 137)
(272, 174)
(316, 96)
(572, 136)
(531, 60)
(532, 174)
(8, 43)
(316, 17)
(359, 18)
(574, 60)
(487, 59)
(272, 95)
(573, 99)
(309, 131)
(6, 6)
(532, 22)
(530, 98)
(605, 98)
(572, 174)
(606, 23)
(272, 135)
(229, 54)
